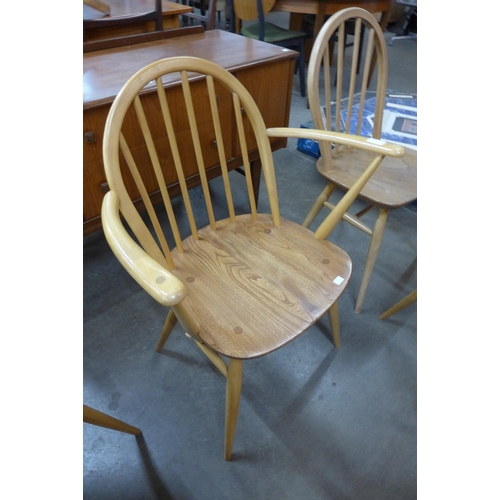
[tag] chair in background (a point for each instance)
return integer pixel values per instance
(206, 16)
(220, 6)
(96, 417)
(155, 15)
(410, 21)
(246, 283)
(405, 302)
(394, 184)
(256, 10)
(308, 21)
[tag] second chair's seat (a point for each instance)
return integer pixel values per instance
(272, 33)
(393, 184)
(252, 284)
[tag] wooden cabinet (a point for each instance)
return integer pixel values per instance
(264, 69)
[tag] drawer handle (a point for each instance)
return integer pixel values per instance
(90, 137)
(104, 187)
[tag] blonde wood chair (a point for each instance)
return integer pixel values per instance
(394, 184)
(241, 284)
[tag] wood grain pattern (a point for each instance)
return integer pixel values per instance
(255, 287)
(393, 185)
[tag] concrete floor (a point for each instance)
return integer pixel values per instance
(315, 422)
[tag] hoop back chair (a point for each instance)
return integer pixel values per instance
(256, 10)
(394, 184)
(155, 16)
(241, 284)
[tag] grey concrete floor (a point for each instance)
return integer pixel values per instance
(315, 422)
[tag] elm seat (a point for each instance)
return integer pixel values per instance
(244, 283)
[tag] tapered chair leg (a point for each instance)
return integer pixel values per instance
(333, 316)
(96, 417)
(168, 326)
(375, 241)
(233, 392)
(318, 204)
(409, 299)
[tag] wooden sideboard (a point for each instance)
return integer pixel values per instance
(266, 71)
(121, 9)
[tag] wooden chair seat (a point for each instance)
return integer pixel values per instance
(252, 284)
(272, 33)
(393, 184)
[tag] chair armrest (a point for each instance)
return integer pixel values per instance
(161, 284)
(378, 146)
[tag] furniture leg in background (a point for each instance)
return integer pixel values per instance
(96, 417)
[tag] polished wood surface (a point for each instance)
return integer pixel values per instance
(105, 72)
(394, 183)
(125, 41)
(120, 9)
(97, 5)
(240, 283)
(265, 70)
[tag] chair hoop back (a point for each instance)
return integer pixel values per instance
(375, 53)
(210, 99)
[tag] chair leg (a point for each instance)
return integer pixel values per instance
(333, 316)
(96, 417)
(409, 299)
(168, 326)
(375, 241)
(233, 392)
(318, 205)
